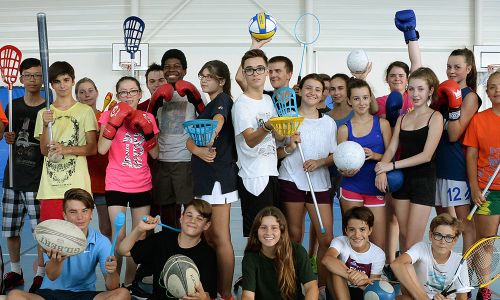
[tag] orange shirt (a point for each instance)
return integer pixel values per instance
(483, 133)
(3, 118)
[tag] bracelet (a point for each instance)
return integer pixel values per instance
(287, 153)
(393, 165)
(265, 128)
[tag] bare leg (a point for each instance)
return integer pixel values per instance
(379, 224)
(402, 210)
(14, 245)
(219, 236)
(113, 211)
(417, 222)
(104, 222)
(325, 239)
(118, 294)
(294, 213)
(21, 295)
(392, 230)
(469, 234)
(137, 214)
(340, 288)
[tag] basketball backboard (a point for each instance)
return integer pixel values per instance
(120, 56)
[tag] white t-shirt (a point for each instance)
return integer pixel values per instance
(319, 139)
(259, 162)
(370, 262)
(435, 277)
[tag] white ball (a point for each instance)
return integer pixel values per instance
(262, 26)
(357, 60)
(349, 155)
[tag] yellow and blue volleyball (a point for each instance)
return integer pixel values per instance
(262, 26)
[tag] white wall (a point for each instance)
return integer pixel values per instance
(82, 32)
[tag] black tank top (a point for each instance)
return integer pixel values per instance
(412, 142)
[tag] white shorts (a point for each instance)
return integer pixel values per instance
(217, 197)
(452, 193)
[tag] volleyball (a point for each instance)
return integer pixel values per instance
(262, 26)
(379, 290)
(349, 155)
(357, 61)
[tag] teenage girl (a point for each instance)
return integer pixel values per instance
(417, 135)
(87, 93)
(273, 266)
(215, 166)
(128, 135)
(452, 187)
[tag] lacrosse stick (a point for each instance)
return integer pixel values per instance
(133, 27)
(285, 102)
(485, 192)
(306, 31)
(10, 59)
(145, 219)
(201, 131)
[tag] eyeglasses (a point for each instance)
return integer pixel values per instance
(207, 77)
(131, 93)
(249, 71)
(31, 76)
(438, 236)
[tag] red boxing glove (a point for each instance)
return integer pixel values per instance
(185, 88)
(450, 92)
(118, 114)
(141, 122)
(163, 93)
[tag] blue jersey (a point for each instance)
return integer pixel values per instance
(364, 181)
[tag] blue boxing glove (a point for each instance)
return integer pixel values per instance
(393, 106)
(406, 21)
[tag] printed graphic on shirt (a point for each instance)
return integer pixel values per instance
(26, 151)
(172, 115)
(365, 268)
(436, 280)
(266, 147)
(133, 150)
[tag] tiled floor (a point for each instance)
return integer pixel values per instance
(28, 247)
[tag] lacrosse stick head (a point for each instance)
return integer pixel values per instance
(200, 130)
(286, 126)
(10, 60)
(133, 27)
(285, 102)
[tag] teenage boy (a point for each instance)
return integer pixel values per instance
(255, 143)
(157, 248)
(172, 180)
(425, 270)
(154, 78)
(74, 137)
(20, 199)
(353, 260)
(74, 277)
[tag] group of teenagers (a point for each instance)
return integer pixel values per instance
(137, 154)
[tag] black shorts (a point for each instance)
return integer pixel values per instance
(354, 293)
(291, 194)
(64, 295)
(419, 190)
(115, 198)
(251, 204)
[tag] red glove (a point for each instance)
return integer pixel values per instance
(141, 122)
(185, 88)
(449, 91)
(163, 93)
(118, 114)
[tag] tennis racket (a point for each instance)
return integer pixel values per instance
(482, 261)
(485, 192)
(306, 31)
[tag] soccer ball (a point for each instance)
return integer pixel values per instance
(262, 26)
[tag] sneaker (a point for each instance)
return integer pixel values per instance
(484, 294)
(37, 283)
(12, 279)
(322, 293)
(387, 272)
(314, 264)
(137, 292)
(147, 279)
(237, 285)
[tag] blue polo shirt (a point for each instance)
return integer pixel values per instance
(78, 272)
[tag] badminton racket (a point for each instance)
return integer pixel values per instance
(119, 222)
(133, 28)
(482, 261)
(10, 59)
(306, 31)
(485, 191)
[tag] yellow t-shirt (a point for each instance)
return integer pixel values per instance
(69, 128)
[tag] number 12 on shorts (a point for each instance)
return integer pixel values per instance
(456, 194)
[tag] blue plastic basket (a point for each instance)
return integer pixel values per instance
(285, 102)
(200, 130)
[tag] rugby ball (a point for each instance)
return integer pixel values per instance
(349, 155)
(62, 236)
(262, 26)
(179, 276)
(357, 61)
